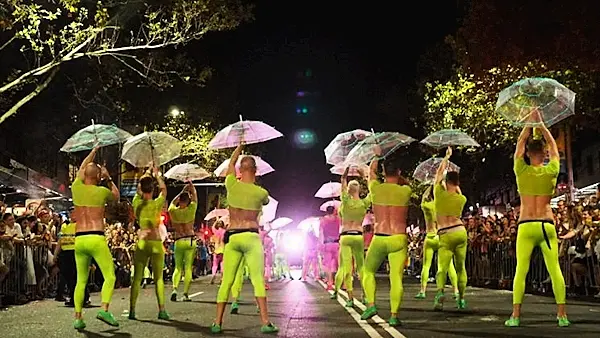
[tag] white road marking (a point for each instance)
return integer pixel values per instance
(392, 331)
(196, 294)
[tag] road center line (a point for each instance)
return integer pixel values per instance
(392, 331)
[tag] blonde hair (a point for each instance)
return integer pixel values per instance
(353, 186)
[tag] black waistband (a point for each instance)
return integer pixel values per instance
(232, 232)
(384, 235)
(450, 227)
(351, 233)
(331, 240)
(543, 221)
(85, 233)
(184, 237)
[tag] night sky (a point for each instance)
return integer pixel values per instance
(363, 61)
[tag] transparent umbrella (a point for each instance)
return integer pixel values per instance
(310, 224)
(280, 222)
(187, 172)
(329, 190)
(247, 132)
(95, 135)
(387, 142)
(553, 100)
(333, 203)
(426, 170)
(151, 149)
(269, 211)
(216, 213)
(449, 137)
(339, 148)
(262, 167)
(355, 169)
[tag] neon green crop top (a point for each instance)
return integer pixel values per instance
(88, 195)
(428, 211)
(353, 209)
(536, 181)
(246, 196)
(389, 194)
(148, 212)
(448, 204)
(183, 215)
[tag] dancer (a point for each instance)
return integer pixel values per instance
(182, 212)
(449, 203)
(242, 240)
(330, 238)
(89, 200)
(268, 247)
(282, 268)
(217, 261)
(536, 183)
(149, 246)
(431, 244)
(390, 207)
(310, 257)
(352, 210)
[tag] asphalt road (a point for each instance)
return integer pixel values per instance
(304, 309)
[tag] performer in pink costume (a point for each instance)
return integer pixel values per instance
(268, 246)
(310, 259)
(219, 236)
(330, 237)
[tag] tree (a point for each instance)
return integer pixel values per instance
(468, 101)
(53, 34)
(194, 138)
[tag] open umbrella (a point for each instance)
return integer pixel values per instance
(329, 190)
(262, 167)
(95, 135)
(449, 137)
(216, 213)
(426, 170)
(354, 169)
(247, 132)
(369, 219)
(333, 203)
(149, 149)
(310, 224)
(554, 101)
(280, 222)
(187, 172)
(268, 211)
(342, 144)
(387, 142)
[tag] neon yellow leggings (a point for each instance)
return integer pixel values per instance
(154, 251)
(430, 246)
(86, 248)
(248, 246)
(395, 248)
(281, 265)
(350, 246)
(185, 250)
(530, 235)
(238, 283)
(452, 244)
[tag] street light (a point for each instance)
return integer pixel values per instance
(175, 112)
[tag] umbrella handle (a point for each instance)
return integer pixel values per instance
(151, 150)
(95, 135)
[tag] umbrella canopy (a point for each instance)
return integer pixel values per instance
(369, 219)
(355, 169)
(333, 203)
(100, 135)
(151, 149)
(280, 222)
(187, 172)
(262, 167)
(247, 132)
(329, 190)
(216, 213)
(310, 224)
(387, 142)
(339, 148)
(268, 211)
(426, 170)
(551, 99)
(449, 137)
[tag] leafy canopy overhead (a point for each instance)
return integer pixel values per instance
(39, 37)
(467, 102)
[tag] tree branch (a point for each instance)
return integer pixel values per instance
(30, 96)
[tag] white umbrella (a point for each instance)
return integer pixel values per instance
(243, 131)
(333, 203)
(187, 172)
(280, 222)
(354, 169)
(310, 224)
(268, 211)
(151, 149)
(262, 167)
(329, 190)
(216, 213)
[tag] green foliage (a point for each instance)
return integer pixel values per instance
(467, 101)
(194, 138)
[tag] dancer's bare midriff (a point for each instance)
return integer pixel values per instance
(390, 220)
(183, 230)
(89, 218)
(243, 219)
(352, 226)
(448, 221)
(535, 208)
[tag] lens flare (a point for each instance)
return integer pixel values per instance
(304, 138)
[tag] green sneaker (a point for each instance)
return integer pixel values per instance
(107, 317)
(563, 321)
(215, 328)
(269, 328)
(420, 295)
(164, 315)
(79, 324)
(132, 315)
(512, 322)
(174, 296)
(234, 308)
(333, 295)
(438, 302)
(394, 321)
(461, 303)
(369, 312)
(257, 309)
(349, 303)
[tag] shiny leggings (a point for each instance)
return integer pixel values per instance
(395, 248)
(530, 235)
(236, 289)
(452, 244)
(86, 248)
(243, 246)
(154, 251)
(430, 246)
(185, 250)
(350, 246)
